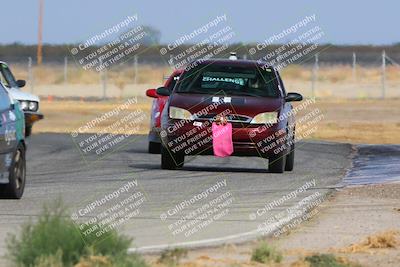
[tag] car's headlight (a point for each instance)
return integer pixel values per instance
(29, 105)
(24, 105)
(33, 106)
(179, 113)
(265, 118)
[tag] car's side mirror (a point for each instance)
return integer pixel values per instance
(163, 91)
(21, 83)
(151, 93)
(290, 97)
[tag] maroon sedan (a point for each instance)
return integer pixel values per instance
(246, 94)
(156, 110)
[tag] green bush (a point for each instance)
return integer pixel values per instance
(325, 260)
(266, 254)
(56, 235)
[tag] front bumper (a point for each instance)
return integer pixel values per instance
(248, 139)
(32, 117)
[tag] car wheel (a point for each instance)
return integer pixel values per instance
(15, 188)
(154, 148)
(171, 161)
(276, 163)
(28, 131)
(290, 159)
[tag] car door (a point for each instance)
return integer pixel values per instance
(8, 134)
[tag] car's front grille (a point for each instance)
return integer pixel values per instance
(230, 117)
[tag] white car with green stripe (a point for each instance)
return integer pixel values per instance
(29, 103)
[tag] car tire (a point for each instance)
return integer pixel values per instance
(154, 148)
(171, 161)
(28, 131)
(276, 163)
(290, 159)
(17, 176)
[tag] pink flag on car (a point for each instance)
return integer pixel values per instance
(222, 139)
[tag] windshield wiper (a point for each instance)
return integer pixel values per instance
(242, 93)
(193, 92)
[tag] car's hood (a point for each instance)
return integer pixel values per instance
(20, 95)
(241, 105)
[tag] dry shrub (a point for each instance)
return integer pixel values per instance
(385, 239)
(300, 263)
(172, 257)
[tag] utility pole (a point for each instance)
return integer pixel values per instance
(40, 33)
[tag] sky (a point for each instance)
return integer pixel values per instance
(72, 21)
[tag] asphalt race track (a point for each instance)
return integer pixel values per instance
(55, 168)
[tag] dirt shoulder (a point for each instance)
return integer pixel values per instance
(353, 222)
(357, 224)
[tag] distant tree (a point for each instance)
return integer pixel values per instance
(153, 36)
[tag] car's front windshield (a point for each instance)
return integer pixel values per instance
(229, 80)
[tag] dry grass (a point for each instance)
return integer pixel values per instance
(54, 74)
(387, 239)
(342, 73)
(67, 116)
(300, 263)
(92, 260)
(358, 121)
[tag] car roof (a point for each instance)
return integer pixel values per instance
(235, 62)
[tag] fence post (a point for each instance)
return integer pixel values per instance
(103, 79)
(65, 69)
(354, 65)
(314, 75)
(383, 74)
(30, 74)
(135, 68)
